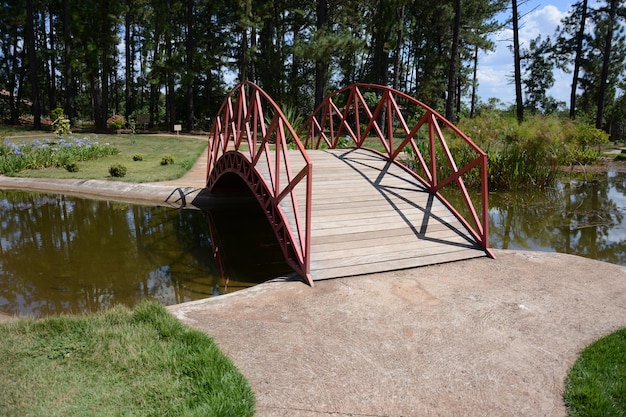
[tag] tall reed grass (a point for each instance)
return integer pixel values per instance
(528, 154)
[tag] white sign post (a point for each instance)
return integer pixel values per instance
(178, 128)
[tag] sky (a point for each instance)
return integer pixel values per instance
(495, 69)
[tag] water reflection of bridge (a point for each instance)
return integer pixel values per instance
(338, 206)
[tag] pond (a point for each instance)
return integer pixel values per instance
(584, 216)
(61, 254)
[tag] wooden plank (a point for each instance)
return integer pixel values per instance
(326, 273)
(398, 238)
(371, 216)
(379, 235)
(395, 250)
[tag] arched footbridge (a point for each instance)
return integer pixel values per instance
(362, 189)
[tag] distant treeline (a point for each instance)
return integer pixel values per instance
(171, 61)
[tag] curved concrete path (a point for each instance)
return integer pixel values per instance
(481, 337)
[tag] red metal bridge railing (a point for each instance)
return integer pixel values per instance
(366, 115)
(251, 137)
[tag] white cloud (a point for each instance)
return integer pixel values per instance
(495, 69)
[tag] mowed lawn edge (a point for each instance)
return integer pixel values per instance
(141, 362)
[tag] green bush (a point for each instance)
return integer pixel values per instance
(56, 113)
(71, 167)
(60, 122)
(117, 170)
(117, 121)
(167, 160)
(137, 157)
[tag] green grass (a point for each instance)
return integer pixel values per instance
(596, 384)
(119, 362)
(184, 151)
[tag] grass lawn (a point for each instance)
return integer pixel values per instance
(183, 150)
(596, 384)
(118, 362)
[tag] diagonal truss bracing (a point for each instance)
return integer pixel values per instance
(403, 128)
(251, 137)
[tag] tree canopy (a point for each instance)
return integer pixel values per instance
(171, 61)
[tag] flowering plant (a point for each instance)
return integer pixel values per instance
(44, 153)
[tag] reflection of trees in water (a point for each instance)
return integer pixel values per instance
(575, 217)
(61, 254)
(246, 243)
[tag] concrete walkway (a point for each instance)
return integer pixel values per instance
(480, 337)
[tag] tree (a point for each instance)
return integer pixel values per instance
(606, 62)
(571, 37)
(32, 63)
(538, 76)
(322, 63)
(603, 63)
(454, 56)
(519, 103)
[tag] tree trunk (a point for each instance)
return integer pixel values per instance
(454, 58)
(579, 50)
(243, 48)
(32, 64)
(397, 64)
(321, 63)
(170, 102)
(68, 80)
(14, 82)
(380, 58)
(190, 48)
(128, 100)
(605, 64)
(474, 82)
(519, 100)
(52, 99)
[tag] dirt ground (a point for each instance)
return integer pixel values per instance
(481, 337)
(604, 164)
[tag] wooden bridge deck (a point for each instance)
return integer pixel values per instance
(369, 215)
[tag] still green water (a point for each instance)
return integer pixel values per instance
(584, 216)
(61, 254)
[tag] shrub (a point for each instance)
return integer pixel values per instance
(167, 160)
(117, 170)
(71, 167)
(588, 135)
(137, 157)
(116, 121)
(56, 113)
(60, 122)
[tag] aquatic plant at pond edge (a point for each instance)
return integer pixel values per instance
(16, 157)
(528, 154)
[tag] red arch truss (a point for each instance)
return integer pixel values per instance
(251, 138)
(366, 115)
